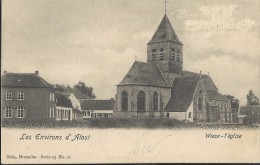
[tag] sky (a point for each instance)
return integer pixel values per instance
(97, 41)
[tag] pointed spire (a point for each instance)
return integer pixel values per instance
(165, 32)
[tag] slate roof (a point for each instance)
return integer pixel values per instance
(62, 101)
(214, 95)
(98, 104)
(165, 32)
(182, 94)
(189, 74)
(208, 83)
(144, 74)
(30, 80)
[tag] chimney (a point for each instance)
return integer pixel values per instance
(5, 72)
(37, 72)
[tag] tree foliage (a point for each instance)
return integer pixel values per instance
(252, 99)
(234, 102)
(81, 86)
(59, 88)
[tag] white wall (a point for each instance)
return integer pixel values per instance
(75, 102)
(181, 116)
(190, 110)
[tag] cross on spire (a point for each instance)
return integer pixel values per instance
(165, 5)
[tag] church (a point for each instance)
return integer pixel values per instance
(161, 88)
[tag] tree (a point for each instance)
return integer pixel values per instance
(252, 99)
(234, 102)
(59, 88)
(81, 86)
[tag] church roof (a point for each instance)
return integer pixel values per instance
(165, 32)
(208, 83)
(144, 74)
(182, 94)
(214, 95)
(29, 80)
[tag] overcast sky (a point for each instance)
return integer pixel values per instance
(96, 41)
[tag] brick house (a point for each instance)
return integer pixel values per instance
(26, 96)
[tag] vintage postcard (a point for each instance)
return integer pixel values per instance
(130, 81)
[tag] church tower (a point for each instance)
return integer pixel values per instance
(165, 49)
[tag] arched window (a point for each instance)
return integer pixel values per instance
(155, 101)
(178, 55)
(189, 114)
(173, 54)
(154, 55)
(200, 101)
(124, 101)
(141, 101)
(161, 54)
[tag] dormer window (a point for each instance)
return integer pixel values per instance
(161, 54)
(153, 55)
(173, 54)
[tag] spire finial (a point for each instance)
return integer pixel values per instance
(165, 2)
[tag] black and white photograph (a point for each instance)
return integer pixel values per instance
(130, 81)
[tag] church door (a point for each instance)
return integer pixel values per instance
(141, 101)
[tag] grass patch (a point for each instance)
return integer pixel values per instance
(121, 123)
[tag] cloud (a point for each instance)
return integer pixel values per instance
(218, 18)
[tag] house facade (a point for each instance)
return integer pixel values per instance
(77, 113)
(63, 108)
(98, 108)
(161, 88)
(26, 96)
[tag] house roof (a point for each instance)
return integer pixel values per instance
(62, 101)
(98, 104)
(182, 94)
(31, 80)
(214, 95)
(165, 32)
(144, 74)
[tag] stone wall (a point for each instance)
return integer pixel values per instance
(132, 90)
(200, 115)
